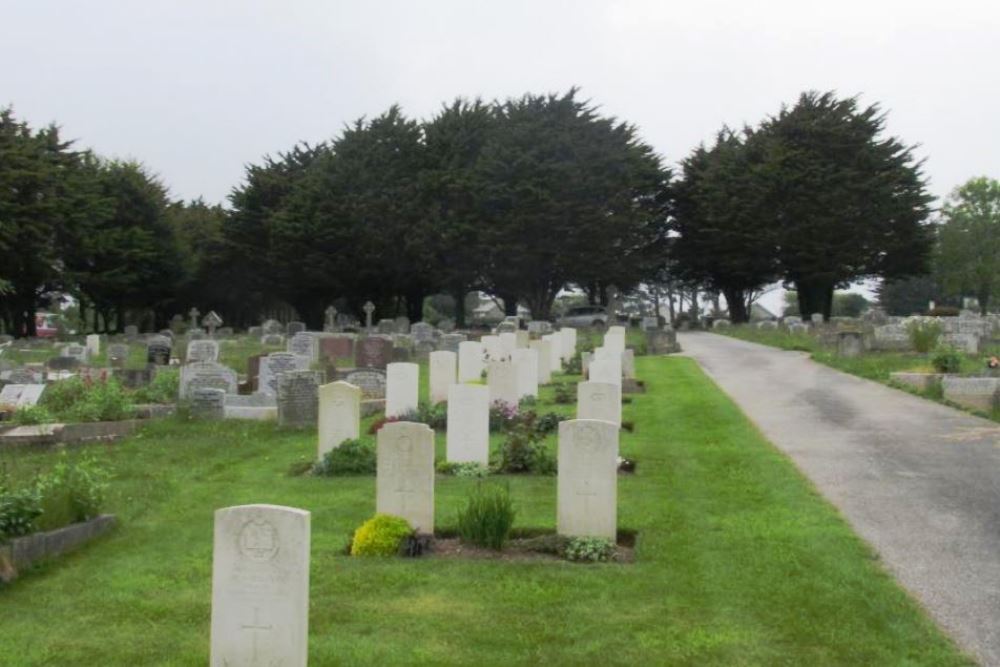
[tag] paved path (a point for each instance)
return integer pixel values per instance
(918, 480)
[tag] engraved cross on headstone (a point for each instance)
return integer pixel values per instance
(193, 314)
(254, 628)
(369, 308)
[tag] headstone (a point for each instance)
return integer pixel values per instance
(421, 331)
(371, 381)
(271, 327)
(628, 364)
(158, 352)
(305, 345)
(470, 361)
(567, 341)
(443, 373)
(422, 350)
(614, 340)
(293, 328)
(850, 344)
(468, 424)
(446, 325)
(975, 393)
(21, 395)
(386, 326)
(195, 334)
(606, 370)
(492, 348)
(337, 347)
(402, 324)
(661, 341)
(78, 352)
(118, 355)
(339, 415)
(255, 332)
(501, 377)
(526, 368)
(212, 321)
(93, 345)
(587, 485)
(508, 343)
(599, 400)
(330, 321)
(272, 340)
(450, 342)
(206, 374)
(260, 587)
(401, 390)
(373, 352)
(193, 314)
(816, 318)
(369, 308)
(298, 398)
(404, 481)
(539, 327)
(208, 403)
(131, 331)
(273, 365)
(544, 350)
(523, 339)
(63, 363)
(202, 350)
(555, 352)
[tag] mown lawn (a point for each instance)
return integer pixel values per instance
(739, 561)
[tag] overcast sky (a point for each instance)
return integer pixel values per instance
(198, 89)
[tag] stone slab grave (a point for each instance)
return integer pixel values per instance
(975, 393)
(371, 382)
(206, 374)
(339, 415)
(470, 361)
(587, 483)
(305, 345)
(918, 381)
(256, 407)
(273, 365)
(526, 368)
(402, 388)
(24, 375)
(21, 395)
(599, 400)
(260, 587)
(468, 424)
(373, 352)
(298, 398)
(501, 378)
(202, 350)
(208, 403)
(544, 350)
(443, 368)
(404, 479)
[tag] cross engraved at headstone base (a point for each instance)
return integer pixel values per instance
(255, 627)
(589, 443)
(403, 465)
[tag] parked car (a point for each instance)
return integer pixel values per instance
(46, 325)
(585, 316)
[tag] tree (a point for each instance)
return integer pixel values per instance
(969, 249)
(722, 216)
(907, 296)
(848, 203)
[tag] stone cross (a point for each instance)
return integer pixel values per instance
(369, 308)
(331, 314)
(193, 314)
(211, 322)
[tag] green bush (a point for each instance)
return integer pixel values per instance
(574, 366)
(947, 360)
(501, 416)
(163, 389)
(78, 400)
(382, 535)
(60, 397)
(924, 334)
(352, 457)
(487, 518)
(73, 491)
(564, 394)
(18, 512)
(589, 549)
(32, 414)
(523, 451)
(464, 469)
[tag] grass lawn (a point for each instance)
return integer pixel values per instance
(739, 560)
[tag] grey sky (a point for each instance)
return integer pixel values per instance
(197, 89)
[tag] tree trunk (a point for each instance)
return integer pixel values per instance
(984, 300)
(736, 300)
(509, 304)
(815, 295)
(415, 304)
(459, 296)
(591, 290)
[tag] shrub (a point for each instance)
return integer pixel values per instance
(73, 491)
(574, 366)
(18, 511)
(564, 394)
(32, 414)
(60, 397)
(523, 451)
(548, 423)
(527, 402)
(435, 416)
(163, 389)
(501, 415)
(944, 311)
(380, 422)
(81, 400)
(463, 469)
(947, 360)
(590, 550)
(924, 335)
(352, 457)
(487, 518)
(382, 535)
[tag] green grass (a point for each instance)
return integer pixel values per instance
(739, 561)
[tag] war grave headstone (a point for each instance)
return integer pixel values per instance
(339, 415)
(401, 392)
(567, 342)
(544, 350)
(404, 480)
(298, 398)
(492, 348)
(599, 400)
(605, 370)
(470, 361)
(555, 351)
(587, 482)
(501, 378)
(508, 343)
(260, 587)
(443, 368)
(628, 364)
(526, 367)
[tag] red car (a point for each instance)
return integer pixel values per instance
(46, 325)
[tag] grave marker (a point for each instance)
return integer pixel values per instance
(468, 424)
(298, 398)
(404, 481)
(587, 485)
(339, 415)
(401, 390)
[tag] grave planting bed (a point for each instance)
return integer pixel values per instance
(739, 561)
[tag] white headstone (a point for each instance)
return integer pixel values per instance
(508, 343)
(468, 423)
(501, 376)
(587, 485)
(470, 361)
(599, 400)
(492, 348)
(544, 350)
(402, 388)
(606, 370)
(404, 481)
(567, 342)
(443, 369)
(260, 586)
(202, 350)
(628, 364)
(526, 368)
(555, 353)
(93, 345)
(339, 415)
(614, 339)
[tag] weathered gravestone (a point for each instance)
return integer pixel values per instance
(421, 331)
(470, 361)
(373, 352)
(402, 324)
(293, 328)
(661, 341)
(131, 331)
(118, 355)
(544, 350)
(271, 327)
(208, 403)
(337, 347)
(468, 424)
(305, 345)
(202, 350)
(587, 484)
(78, 352)
(272, 340)
(63, 363)
(93, 345)
(975, 393)
(450, 342)
(158, 352)
(206, 374)
(401, 391)
(21, 395)
(273, 365)
(25, 375)
(386, 326)
(443, 373)
(526, 368)
(850, 344)
(371, 381)
(404, 481)
(339, 415)
(599, 400)
(260, 587)
(298, 398)
(539, 327)
(501, 378)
